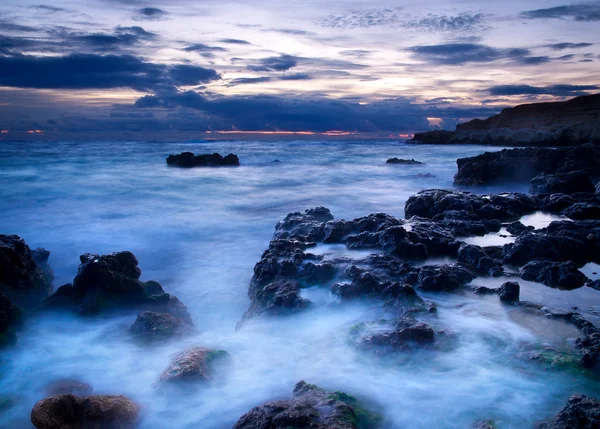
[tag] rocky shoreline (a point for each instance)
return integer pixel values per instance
(399, 273)
(569, 123)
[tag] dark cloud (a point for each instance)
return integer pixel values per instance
(138, 31)
(48, 8)
(201, 47)
(280, 63)
(12, 27)
(235, 41)
(556, 90)
(578, 12)
(264, 79)
(151, 14)
(290, 31)
(449, 23)
(85, 71)
(462, 53)
(565, 45)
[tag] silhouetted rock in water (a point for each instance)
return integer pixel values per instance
(517, 228)
(509, 292)
(476, 259)
(569, 183)
(443, 278)
(598, 187)
(21, 279)
(522, 165)
(40, 256)
(188, 160)
(581, 412)
(10, 321)
(92, 412)
(407, 333)
(582, 211)
(562, 275)
(110, 282)
(196, 365)
(403, 161)
(572, 122)
(68, 386)
(311, 407)
(152, 327)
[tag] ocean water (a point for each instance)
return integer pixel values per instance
(199, 232)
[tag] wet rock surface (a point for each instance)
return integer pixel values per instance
(581, 412)
(92, 412)
(403, 161)
(21, 278)
(311, 407)
(189, 160)
(10, 321)
(407, 333)
(562, 275)
(195, 365)
(152, 327)
(569, 183)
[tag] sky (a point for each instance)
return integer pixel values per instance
(129, 69)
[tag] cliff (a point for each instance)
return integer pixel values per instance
(567, 123)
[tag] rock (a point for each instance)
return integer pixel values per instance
(310, 407)
(277, 298)
(10, 321)
(562, 275)
(188, 159)
(517, 228)
(92, 412)
(68, 386)
(572, 122)
(196, 365)
(581, 412)
(310, 274)
(111, 282)
(307, 226)
(479, 261)
(21, 279)
(544, 245)
(397, 241)
(568, 183)
(443, 278)
(522, 165)
(487, 424)
(598, 187)
(407, 332)
(509, 292)
(403, 161)
(40, 256)
(583, 211)
(153, 327)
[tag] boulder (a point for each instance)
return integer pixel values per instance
(443, 278)
(407, 333)
(40, 256)
(478, 261)
(568, 183)
(562, 275)
(581, 412)
(517, 228)
(93, 412)
(509, 292)
(188, 160)
(403, 161)
(544, 245)
(196, 365)
(21, 279)
(311, 407)
(583, 211)
(10, 321)
(154, 327)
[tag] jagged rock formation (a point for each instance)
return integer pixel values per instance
(188, 160)
(572, 122)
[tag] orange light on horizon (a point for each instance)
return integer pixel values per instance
(4, 131)
(35, 131)
(266, 132)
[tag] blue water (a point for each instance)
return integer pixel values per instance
(199, 232)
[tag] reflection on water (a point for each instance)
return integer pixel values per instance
(541, 220)
(200, 231)
(499, 238)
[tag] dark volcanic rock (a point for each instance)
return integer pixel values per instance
(10, 321)
(572, 122)
(276, 298)
(443, 278)
(479, 261)
(403, 161)
(92, 412)
(522, 165)
(562, 275)
(188, 159)
(152, 327)
(583, 211)
(509, 292)
(194, 365)
(569, 183)
(517, 228)
(542, 246)
(407, 333)
(21, 279)
(111, 282)
(40, 256)
(310, 407)
(581, 412)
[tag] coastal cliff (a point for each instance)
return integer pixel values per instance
(567, 123)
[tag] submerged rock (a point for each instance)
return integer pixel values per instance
(581, 412)
(21, 279)
(110, 282)
(407, 333)
(403, 161)
(311, 407)
(188, 160)
(562, 275)
(152, 327)
(196, 365)
(92, 412)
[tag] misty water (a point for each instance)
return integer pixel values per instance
(199, 232)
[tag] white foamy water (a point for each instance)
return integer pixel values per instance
(199, 232)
